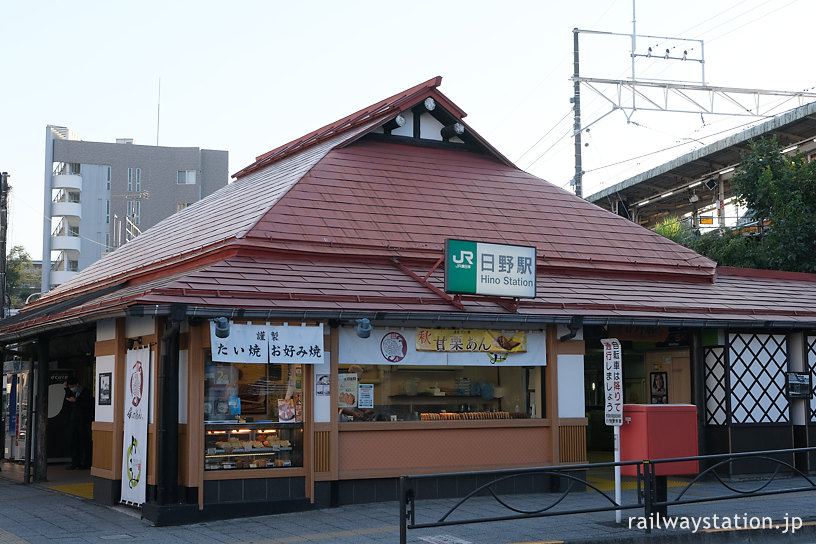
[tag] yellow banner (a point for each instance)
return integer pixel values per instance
(453, 340)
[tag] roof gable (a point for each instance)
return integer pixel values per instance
(380, 111)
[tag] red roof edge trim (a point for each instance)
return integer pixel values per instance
(764, 274)
(205, 255)
(663, 309)
(380, 108)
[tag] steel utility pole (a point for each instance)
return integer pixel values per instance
(665, 95)
(4, 189)
(576, 106)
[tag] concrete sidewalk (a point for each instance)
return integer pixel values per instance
(39, 514)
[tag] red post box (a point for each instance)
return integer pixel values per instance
(659, 431)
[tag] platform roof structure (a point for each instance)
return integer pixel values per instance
(667, 189)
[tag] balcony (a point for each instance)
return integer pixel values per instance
(59, 277)
(66, 209)
(67, 181)
(66, 243)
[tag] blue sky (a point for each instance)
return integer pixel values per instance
(249, 76)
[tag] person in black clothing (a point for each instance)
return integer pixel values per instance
(81, 417)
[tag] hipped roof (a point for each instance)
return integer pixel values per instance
(334, 220)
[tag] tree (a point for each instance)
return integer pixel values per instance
(22, 279)
(780, 192)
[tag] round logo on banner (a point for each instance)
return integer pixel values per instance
(136, 383)
(497, 357)
(134, 463)
(393, 347)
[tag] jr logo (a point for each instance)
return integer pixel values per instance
(463, 256)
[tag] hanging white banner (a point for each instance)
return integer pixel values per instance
(268, 344)
(398, 347)
(134, 451)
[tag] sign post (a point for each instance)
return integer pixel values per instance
(613, 403)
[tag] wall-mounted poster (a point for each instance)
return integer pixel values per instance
(105, 389)
(347, 390)
(660, 387)
(365, 395)
(286, 410)
(322, 385)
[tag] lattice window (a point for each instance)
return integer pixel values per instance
(758, 366)
(716, 387)
(811, 362)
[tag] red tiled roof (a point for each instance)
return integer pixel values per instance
(401, 196)
(347, 283)
(203, 228)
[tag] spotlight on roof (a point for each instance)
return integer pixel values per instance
(222, 327)
(456, 129)
(364, 327)
(427, 105)
(394, 123)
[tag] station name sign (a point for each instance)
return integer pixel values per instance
(480, 268)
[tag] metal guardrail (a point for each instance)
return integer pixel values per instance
(650, 488)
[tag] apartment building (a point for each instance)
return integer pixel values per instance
(98, 195)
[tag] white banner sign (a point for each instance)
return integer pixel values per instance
(613, 381)
(134, 451)
(398, 347)
(268, 344)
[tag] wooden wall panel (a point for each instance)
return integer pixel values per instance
(393, 453)
(572, 444)
(322, 451)
(103, 449)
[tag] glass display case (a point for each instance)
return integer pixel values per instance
(252, 445)
(253, 415)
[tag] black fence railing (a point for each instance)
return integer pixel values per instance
(651, 490)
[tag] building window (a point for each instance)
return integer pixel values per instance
(107, 241)
(108, 178)
(130, 179)
(134, 211)
(404, 393)
(181, 205)
(107, 212)
(72, 266)
(138, 179)
(73, 231)
(186, 177)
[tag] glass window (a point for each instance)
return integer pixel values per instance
(410, 393)
(138, 179)
(186, 177)
(130, 179)
(108, 180)
(253, 415)
(182, 205)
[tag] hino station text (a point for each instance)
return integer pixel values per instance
(507, 281)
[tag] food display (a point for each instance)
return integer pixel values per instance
(252, 446)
